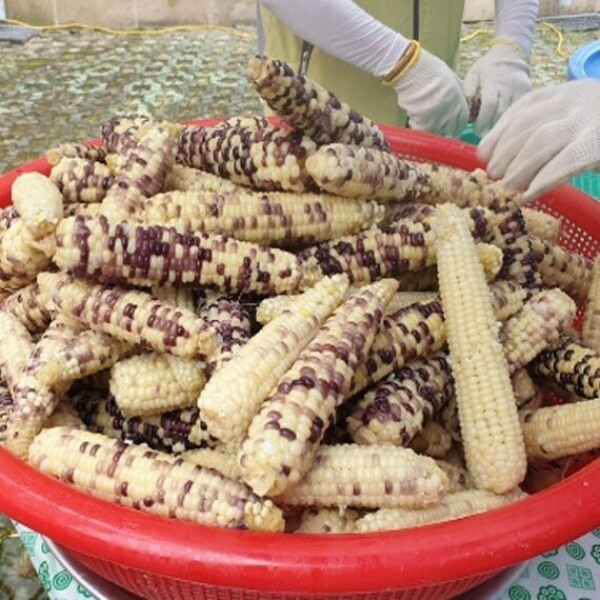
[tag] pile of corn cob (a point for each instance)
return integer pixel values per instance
(283, 326)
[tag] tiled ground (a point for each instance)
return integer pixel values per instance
(61, 85)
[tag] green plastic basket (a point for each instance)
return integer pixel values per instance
(588, 181)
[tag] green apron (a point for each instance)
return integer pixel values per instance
(439, 33)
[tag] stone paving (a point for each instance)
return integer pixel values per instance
(62, 84)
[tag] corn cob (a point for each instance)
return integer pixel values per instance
(142, 174)
(84, 209)
(169, 431)
(268, 159)
(553, 432)
(372, 254)
(571, 366)
(326, 520)
(492, 438)
(233, 394)
(146, 255)
(8, 214)
(6, 408)
(90, 152)
(536, 326)
(15, 349)
(215, 458)
(433, 440)
(453, 506)
(284, 436)
(459, 479)
(562, 268)
(464, 188)
(21, 258)
(97, 382)
(418, 330)
(543, 318)
(85, 354)
(369, 477)
(271, 218)
(448, 417)
(189, 179)
(309, 107)
(34, 400)
(121, 132)
(131, 316)
(411, 333)
(39, 203)
(152, 383)
(183, 297)
(357, 172)
(590, 328)
(527, 393)
(521, 263)
(232, 322)
(398, 408)
(64, 415)
(81, 180)
(253, 123)
(541, 225)
(270, 307)
(150, 481)
(26, 306)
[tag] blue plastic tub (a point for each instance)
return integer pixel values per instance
(585, 62)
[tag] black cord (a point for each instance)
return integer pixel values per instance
(416, 11)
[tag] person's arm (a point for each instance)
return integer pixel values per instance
(501, 76)
(548, 136)
(428, 90)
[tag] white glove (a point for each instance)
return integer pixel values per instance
(499, 78)
(433, 97)
(547, 137)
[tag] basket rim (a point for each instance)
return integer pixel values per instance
(323, 564)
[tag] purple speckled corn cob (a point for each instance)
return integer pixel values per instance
(146, 255)
(309, 107)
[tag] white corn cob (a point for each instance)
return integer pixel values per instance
(433, 440)
(153, 383)
(553, 432)
(39, 203)
(453, 506)
(492, 437)
(190, 179)
(327, 520)
(369, 477)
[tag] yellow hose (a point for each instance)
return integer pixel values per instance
(150, 31)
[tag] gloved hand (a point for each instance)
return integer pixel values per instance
(546, 137)
(499, 78)
(432, 96)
